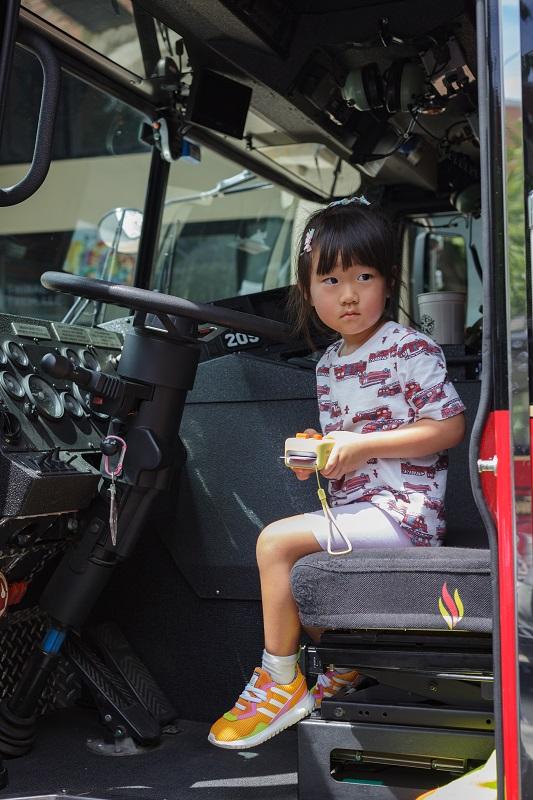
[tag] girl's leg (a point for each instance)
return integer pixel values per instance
(279, 546)
(313, 632)
(366, 526)
(276, 695)
(272, 700)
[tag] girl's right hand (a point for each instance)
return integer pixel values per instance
(305, 474)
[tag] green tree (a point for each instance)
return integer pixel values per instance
(516, 218)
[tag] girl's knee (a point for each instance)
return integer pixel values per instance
(285, 540)
(273, 542)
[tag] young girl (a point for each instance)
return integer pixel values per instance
(385, 399)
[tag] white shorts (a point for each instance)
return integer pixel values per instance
(363, 524)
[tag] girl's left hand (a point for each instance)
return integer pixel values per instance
(348, 453)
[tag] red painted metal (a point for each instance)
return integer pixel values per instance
(17, 591)
(498, 491)
(486, 450)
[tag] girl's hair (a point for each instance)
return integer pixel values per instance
(354, 234)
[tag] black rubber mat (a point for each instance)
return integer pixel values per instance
(184, 766)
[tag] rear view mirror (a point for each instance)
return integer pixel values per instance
(120, 229)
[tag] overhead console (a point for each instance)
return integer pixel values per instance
(396, 97)
(389, 88)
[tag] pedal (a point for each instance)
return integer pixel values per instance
(119, 656)
(122, 712)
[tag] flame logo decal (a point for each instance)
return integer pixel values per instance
(451, 608)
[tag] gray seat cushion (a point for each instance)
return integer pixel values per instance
(437, 588)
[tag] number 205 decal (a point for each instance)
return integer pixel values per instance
(237, 339)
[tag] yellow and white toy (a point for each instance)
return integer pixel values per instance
(311, 451)
(307, 451)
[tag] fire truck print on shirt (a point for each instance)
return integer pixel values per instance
(395, 378)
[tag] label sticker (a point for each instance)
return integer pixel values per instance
(234, 339)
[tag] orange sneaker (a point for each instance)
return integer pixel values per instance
(331, 682)
(262, 710)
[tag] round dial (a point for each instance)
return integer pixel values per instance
(89, 360)
(12, 386)
(72, 356)
(85, 399)
(44, 397)
(16, 353)
(73, 406)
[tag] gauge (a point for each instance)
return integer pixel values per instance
(44, 397)
(85, 399)
(16, 354)
(12, 386)
(90, 361)
(72, 356)
(73, 406)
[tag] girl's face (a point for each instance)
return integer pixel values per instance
(350, 301)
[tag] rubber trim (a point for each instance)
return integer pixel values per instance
(485, 399)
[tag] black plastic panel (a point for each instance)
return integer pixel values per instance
(236, 420)
(323, 744)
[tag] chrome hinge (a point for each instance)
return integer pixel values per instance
(488, 464)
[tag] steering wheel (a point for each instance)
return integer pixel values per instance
(154, 303)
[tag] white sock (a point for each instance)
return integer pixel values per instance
(282, 669)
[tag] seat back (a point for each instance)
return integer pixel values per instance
(463, 522)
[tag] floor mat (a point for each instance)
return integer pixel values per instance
(184, 766)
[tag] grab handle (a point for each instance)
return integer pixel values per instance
(42, 153)
(8, 27)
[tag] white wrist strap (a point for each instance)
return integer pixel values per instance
(331, 519)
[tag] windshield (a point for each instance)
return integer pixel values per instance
(99, 163)
(225, 232)
(110, 27)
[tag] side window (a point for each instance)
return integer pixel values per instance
(445, 268)
(441, 254)
(225, 232)
(99, 164)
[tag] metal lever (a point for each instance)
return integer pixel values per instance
(61, 367)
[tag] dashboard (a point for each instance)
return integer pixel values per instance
(38, 412)
(50, 432)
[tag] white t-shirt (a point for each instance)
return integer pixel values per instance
(395, 378)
